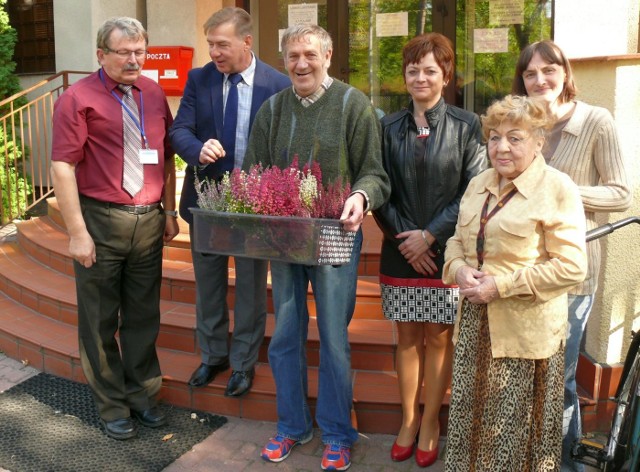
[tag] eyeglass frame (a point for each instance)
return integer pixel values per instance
(125, 53)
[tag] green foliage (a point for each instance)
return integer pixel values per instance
(180, 163)
(15, 187)
(491, 74)
(369, 53)
(375, 63)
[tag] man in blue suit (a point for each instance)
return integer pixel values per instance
(211, 148)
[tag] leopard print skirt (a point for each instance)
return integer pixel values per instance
(505, 414)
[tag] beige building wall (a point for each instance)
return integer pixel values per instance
(602, 44)
(76, 23)
(614, 83)
(173, 24)
(590, 28)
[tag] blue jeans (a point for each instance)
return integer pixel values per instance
(579, 310)
(334, 289)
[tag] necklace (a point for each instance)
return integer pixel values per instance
(423, 131)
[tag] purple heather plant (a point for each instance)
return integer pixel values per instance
(274, 191)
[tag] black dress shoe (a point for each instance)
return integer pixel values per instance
(151, 418)
(239, 383)
(206, 373)
(122, 428)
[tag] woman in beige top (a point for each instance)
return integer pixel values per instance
(583, 144)
(519, 246)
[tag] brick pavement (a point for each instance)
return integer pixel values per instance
(235, 446)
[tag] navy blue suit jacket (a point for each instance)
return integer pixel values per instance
(200, 116)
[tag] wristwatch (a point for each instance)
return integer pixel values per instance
(171, 213)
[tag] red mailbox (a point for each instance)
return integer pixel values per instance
(169, 65)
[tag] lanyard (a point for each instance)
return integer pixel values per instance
(138, 121)
(484, 218)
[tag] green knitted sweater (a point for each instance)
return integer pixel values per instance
(340, 131)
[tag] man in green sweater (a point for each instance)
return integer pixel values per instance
(324, 120)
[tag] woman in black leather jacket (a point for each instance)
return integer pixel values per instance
(431, 151)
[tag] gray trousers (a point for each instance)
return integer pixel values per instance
(212, 311)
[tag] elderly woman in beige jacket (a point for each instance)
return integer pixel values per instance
(519, 246)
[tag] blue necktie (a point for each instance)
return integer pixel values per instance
(230, 122)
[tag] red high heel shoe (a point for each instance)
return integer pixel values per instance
(426, 458)
(401, 453)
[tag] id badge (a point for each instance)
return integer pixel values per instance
(148, 156)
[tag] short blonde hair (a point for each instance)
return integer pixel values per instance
(521, 110)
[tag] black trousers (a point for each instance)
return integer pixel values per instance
(120, 294)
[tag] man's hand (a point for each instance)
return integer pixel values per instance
(171, 228)
(82, 249)
(211, 151)
(353, 212)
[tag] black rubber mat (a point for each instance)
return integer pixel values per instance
(50, 424)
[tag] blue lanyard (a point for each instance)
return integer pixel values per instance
(139, 122)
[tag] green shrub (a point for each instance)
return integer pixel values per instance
(15, 186)
(180, 164)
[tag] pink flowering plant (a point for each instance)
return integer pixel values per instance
(276, 214)
(275, 192)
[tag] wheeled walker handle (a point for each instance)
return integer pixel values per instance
(610, 228)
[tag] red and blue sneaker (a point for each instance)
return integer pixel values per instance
(279, 447)
(336, 457)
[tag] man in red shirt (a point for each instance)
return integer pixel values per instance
(114, 178)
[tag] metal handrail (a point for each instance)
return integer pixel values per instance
(25, 145)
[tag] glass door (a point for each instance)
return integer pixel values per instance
(489, 38)
(368, 36)
(378, 29)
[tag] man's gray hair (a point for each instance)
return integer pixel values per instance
(298, 32)
(130, 27)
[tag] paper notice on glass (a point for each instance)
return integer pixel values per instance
(280, 35)
(303, 14)
(491, 40)
(506, 12)
(392, 24)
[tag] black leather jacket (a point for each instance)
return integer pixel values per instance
(455, 154)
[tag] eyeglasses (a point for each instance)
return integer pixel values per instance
(125, 53)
